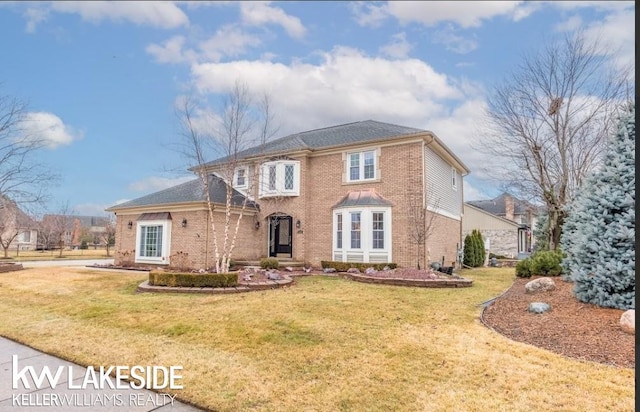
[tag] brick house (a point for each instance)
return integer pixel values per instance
(506, 221)
(18, 231)
(338, 193)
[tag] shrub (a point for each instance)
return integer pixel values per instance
(546, 262)
(344, 266)
(193, 280)
(523, 268)
(84, 245)
(269, 263)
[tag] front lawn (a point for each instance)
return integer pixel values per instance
(324, 344)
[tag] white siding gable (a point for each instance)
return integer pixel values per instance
(442, 197)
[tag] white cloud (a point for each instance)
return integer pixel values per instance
(616, 34)
(455, 42)
(398, 48)
(35, 15)
(90, 209)
(49, 129)
(367, 14)
(345, 86)
(155, 183)
(262, 13)
(471, 192)
(430, 13)
(171, 51)
(150, 13)
(228, 41)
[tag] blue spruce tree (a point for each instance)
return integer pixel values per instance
(599, 233)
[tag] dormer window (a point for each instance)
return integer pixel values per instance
(240, 178)
(280, 178)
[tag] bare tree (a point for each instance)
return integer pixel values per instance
(421, 221)
(548, 122)
(60, 227)
(240, 125)
(108, 236)
(22, 178)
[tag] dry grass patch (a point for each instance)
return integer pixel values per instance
(324, 344)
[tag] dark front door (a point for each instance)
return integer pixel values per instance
(280, 236)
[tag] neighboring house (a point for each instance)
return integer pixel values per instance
(18, 231)
(338, 193)
(75, 229)
(505, 221)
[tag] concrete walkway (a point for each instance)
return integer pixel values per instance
(65, 395)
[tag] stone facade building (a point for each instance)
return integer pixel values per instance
(343, 193)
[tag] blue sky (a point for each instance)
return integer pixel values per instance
(102, 79)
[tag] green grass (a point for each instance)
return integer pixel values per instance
(324, 344)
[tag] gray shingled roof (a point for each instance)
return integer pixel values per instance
(368, 197)
(349, 133)
(497, 206)
(191, 191)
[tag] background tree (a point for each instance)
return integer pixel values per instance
(549, 122)
(108, 236)
(23, 179)
(242, 123)
(599, 238)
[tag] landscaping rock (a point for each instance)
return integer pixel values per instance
(353, 270)
(289, 269)
(273, 275)
(628, 321)
(370, 271)
(329, 270)
(540, 285)
(539, 307)
(307, 270)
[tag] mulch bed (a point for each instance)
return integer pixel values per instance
(571, 328)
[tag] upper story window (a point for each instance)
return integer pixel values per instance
(362, 166)
(240, 178)
(454, 178)
(280, 178)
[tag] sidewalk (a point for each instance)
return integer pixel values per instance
(68, 396)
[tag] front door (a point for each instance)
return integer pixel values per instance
(280, 236)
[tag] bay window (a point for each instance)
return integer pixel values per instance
(367, 237)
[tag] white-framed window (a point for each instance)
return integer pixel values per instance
(153, 241)
(362, 166)
(366, 237)
(240, 178)
(280, 178)
(338, 230)
(25, 237)
(454, 178)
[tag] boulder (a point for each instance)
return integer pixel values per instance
(289, 269)
(628, 321)
(329, 270)
(353, 270)
(539, 307)
(370, 271)
(540, 285)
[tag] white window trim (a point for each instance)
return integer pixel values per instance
(246, 178)
(454, 178)
(366, 232)
(163, 259)
(347, 165)
(280, 189)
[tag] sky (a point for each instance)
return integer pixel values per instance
(102, 79)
